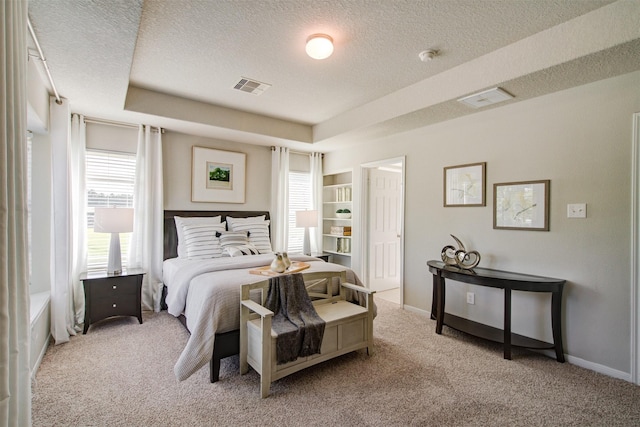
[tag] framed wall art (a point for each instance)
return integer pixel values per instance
(464, 185)
(217, 176)
(521, 205)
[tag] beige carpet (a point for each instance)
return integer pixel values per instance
(121, 374)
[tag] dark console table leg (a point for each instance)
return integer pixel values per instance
(139, 297)
(440, 291)
(556, 324)
(434, 297)
(507, 323)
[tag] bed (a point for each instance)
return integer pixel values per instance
(205, 293)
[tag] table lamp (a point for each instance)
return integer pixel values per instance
(114, 221)
(306, 219)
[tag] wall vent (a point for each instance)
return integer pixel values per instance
(487, 97)
(251, 86)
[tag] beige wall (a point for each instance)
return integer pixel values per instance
(581, 140)
(176, 153)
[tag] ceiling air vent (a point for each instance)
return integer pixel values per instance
(251, 86)
(487, 97)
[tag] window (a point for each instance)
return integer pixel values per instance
(29, 195)
(299, 200)
(110, 178)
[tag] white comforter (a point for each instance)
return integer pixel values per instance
(207, 292)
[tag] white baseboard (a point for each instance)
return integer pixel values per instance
(40, 357)
(416, 310)
(605, 370)
(40, 329)
(601, 369)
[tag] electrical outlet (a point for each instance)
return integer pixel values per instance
(577, 210)
(471, 298)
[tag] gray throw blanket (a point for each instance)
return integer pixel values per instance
(295, 320)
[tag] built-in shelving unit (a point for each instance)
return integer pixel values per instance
(337, 232)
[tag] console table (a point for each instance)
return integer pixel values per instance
(508, 281)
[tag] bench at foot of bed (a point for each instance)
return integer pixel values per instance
(348, 327)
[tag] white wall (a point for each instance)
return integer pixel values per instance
(580, 139)
(40, 283)
(40, 214)
(176, 154)
(38, 124)
(37, 99)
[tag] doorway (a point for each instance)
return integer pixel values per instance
(383, 207)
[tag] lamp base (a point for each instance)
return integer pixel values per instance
(306, 244)
(114, 265)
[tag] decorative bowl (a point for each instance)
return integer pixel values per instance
(343, 215)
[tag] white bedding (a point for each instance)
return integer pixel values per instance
(207, 292)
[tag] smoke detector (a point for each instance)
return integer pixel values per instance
(428, 55)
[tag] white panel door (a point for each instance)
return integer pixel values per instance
(384, 229)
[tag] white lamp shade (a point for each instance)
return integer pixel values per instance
(113, 220)
(319, 46)
(306, 218)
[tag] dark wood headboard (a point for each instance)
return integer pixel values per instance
(171, 236)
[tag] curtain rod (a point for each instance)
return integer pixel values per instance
(306, 153)
(114, 123)
(44, 62)
(110, 122)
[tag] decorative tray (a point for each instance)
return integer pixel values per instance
(295, 267)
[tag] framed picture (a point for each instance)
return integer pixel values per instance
(464, 185)
(217, 176)
(521, 205)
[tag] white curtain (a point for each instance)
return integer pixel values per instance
(146, 244)
(280, 198)
(15, 385)
(78, 215)
(63, 323)
(316, 201)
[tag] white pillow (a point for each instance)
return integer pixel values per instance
(231, 238)
(252, 219)
(201, 241)
(233, 251)
(236, 243)
(182, 221)
(258, 235)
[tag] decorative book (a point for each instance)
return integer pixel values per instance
(338, 230)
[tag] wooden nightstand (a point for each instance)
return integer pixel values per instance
(322, 256)
(106, 296)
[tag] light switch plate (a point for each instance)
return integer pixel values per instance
(577, 210)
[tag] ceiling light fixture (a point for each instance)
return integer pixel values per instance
(319, 46)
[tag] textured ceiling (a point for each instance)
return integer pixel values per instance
(174, 63)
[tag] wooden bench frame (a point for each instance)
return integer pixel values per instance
(349, 327)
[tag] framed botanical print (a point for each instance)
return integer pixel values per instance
(521, 205)
(217, 176)
(464, 185)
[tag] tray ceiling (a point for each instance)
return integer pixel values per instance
(175, 63)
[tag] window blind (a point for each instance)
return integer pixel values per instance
(299, 200)
(110, 179)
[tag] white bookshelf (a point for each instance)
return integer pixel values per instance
(337, 195)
